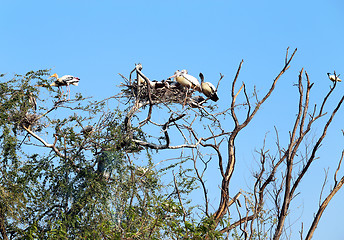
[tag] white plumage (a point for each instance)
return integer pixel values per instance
(186, 80)
(208, 89)
(333, 77)
(140, 80)
(66, 80)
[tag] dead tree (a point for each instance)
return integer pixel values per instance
(142, 96)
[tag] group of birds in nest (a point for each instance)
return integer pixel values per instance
(178, 88)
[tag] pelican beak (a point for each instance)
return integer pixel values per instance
(173, 76)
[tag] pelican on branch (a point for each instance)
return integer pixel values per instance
(334, 78)
(208, 89)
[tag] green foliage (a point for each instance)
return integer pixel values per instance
(67, 183)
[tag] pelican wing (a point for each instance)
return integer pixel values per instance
(192, 80)
(332, 78)
(213, 88)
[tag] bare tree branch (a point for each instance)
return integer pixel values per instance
(322, 209)
(222, 209)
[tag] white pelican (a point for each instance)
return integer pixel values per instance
(186, 80)
(208, 89)
(333, 77)
(66, 80)
(140, 80)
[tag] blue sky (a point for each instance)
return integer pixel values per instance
(96, 40)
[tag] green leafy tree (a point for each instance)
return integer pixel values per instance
(65, 172)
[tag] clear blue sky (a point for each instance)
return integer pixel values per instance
(96, 40)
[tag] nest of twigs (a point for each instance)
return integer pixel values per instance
(29, 120)
(167, 92)
(23, 121)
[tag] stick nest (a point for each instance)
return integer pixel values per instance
(167, 92)
(27, 120)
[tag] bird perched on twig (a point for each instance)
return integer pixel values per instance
(334, 77)
(208, 89)
(66, 80)
(140, 80)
